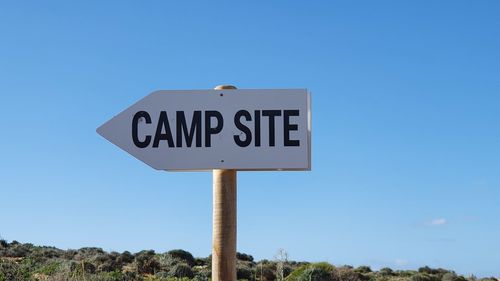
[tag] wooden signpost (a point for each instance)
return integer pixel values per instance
(223, 130)
(224, 221)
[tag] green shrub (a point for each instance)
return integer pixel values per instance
(452, 276)
(202, 272)
(243, 272)
(17, 250)
(346, 273)
(202, 261)
(406, 273)
(182, 256)
(69, 254)
(49, 269)
(420, 277)
(426, 270)
(146, 262)
(10, 271)
(363, 269)
(287, 270)
(201, 278)
(296, 273)
(244, 257)
(314, 272)
(386, 271)
(181, 270)
(131, 276)
(124, 258)
(83, 267)
(106, 262)
(162, 275)
(265, 271)
(87, 253)
(107, 276)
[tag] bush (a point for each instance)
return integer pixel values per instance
(87, 253)
(363, 269)
(131, 276)
(146, 262)
(182, 256)
(346, 273)
(201, 261)
(243, 272)
(202, 272)
(452, 276)
(244, 257)
(201, 278)
(108, 276)
(124, 258)
(433, 273)
(48, 252)
(49, 269)
(17, 250)
(85, 267)
(420, 277)
(287, 270)
(106, 262)
(426, 270)
(108, 266)
(316, 271)
(386, 271)
(266, 271)
(69, 254)
(11, 271)
(162, 275)
(181, 270)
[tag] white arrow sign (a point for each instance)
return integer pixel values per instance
(217, 129)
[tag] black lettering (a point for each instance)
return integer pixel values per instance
(287, 127)
(163, 123)
(135, 129)
(243, 128)
(271, 114)
(209, 131)
(183, 130)
(257, 128)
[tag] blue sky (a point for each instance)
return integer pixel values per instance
(406, 127)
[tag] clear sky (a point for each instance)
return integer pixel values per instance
(406, 127)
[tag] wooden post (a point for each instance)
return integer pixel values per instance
(224, 221)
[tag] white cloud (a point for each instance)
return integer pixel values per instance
(437, 222)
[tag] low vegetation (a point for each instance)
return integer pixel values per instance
(26, 262)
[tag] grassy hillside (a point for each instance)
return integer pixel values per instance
(28, 262)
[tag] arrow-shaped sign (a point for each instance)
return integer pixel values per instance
(217, 129)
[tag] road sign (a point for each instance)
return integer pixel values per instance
(217, 129)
